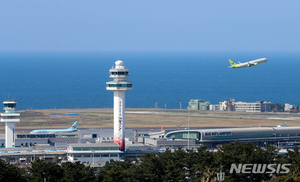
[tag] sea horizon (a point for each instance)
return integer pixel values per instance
(47, 80)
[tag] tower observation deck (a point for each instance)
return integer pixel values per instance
(10, 117)
(119, 85)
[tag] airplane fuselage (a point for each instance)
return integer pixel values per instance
(67, 130)
(250, 63)
(52, 131)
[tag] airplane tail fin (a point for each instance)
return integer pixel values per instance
(232, 63)
(74, 126)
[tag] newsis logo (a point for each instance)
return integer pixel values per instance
(260, 168)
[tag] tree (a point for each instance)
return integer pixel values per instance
(294, 160)
(27, 160)
(284, 179)
(41, 170)
(77, 172)
(205, 166)
(245, 153)
(173, 165)
(11, 172)
(115, 171)
(7, 160)
(55, 159)
(150, 168)
(189, 163)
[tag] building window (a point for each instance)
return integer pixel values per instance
(10, 117)
(86, 155)
(119, 85)
(77, 149)
(77, 156)
(113, 155)
(114, 148)
(184, 135)
(104, 148)
(86, 148)
(119, 73)
(104, 155)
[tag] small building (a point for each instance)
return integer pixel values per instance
(227, 105)
(288, 107)
(259, 106)
(199, 104)
(214, 107)
(95, 154)
(91, 135)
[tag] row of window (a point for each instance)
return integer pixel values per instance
(119, 85)
(242, 136)
(10, 105)
(119, 73)
(26, 144)
(95, 148)
(255, 136)
(10, 117)
(36, 136)
(184, 135)
(22, 144)
(288, 134)
(95, 155)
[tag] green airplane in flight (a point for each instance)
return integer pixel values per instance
(247, 64)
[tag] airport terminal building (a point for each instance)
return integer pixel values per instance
(213, 138)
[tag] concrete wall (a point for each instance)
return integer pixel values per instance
(170, 143)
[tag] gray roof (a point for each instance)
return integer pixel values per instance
(93, 145)
(264, 130)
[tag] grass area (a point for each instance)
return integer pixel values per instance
(103, 118)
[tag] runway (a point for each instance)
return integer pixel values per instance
(186, 113)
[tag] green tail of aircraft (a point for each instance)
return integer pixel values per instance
(232, 63)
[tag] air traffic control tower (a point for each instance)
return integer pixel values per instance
(119, 86)
(9, 117)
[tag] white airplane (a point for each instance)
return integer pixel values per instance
(247, 64)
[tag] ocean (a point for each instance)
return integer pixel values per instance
(47, 80)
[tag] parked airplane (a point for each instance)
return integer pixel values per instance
(247, 64)
(72, 129)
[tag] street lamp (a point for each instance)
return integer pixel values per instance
(93, 160)
(44, 176)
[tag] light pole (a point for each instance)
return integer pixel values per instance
(93, 160)
(189, 108)
(44, 176)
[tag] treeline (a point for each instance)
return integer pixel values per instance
(42, 170)
(203, 165)
(179, 165)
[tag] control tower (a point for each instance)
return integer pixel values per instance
(9, 117)
(119, 86)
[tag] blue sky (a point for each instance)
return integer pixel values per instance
(156, 25)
